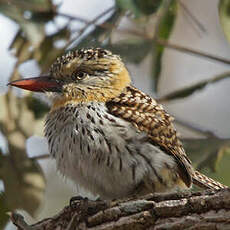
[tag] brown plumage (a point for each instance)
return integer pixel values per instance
(108, 136)
(149, 116)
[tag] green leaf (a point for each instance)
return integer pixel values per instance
(48, 51)
(34, 32)
(224, 14)
(31, 17)
(203, 152)
(129, 5)
(39, 6)
(38, 108)
(131, 50)
(20, 46)
(147, 7)
(187, 91)
(211, 156)
(4, 218)
(139, 7)
(98, 34)
(24, 182)
(164, 30)
(45, 54)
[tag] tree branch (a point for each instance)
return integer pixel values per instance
(188, 210)
(161, 42)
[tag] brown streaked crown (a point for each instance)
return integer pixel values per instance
(90, 59)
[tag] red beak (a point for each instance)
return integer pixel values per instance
(38, 84)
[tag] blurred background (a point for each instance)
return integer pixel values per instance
(176, 50)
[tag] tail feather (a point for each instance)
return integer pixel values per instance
(203, 181)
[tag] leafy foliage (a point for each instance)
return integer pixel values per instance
(23, 185)
(131, 50)
(3, 210)
(27, 15)
(224, 14)
(38, 108)
(148, 7)
(210, 155)
(138, 7)
(165, 27)
(99, 34)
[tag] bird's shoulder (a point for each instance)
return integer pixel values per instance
(148, 116)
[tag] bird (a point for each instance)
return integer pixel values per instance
(106, 135)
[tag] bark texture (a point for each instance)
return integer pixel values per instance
(188, 210)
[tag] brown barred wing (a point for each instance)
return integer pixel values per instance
(148, 116)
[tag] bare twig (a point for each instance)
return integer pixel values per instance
(19, 221)
(164, 9)
(159, 41)
(191, 16)
(40, 157)
(88, 23)
(193, 52)
(71, 17)
(189, 90)
(203, 131)
(84, 20)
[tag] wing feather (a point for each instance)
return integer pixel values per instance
(148, 116)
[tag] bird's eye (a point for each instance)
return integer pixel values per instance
(78, 75)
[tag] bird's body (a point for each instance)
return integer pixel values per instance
(106, 154)
(108, 136)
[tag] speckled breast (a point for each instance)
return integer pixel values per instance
(105, 154)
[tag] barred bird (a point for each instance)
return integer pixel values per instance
(108, 136)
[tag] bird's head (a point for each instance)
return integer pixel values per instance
(81, 76)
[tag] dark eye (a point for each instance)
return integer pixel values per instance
(78, 75)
